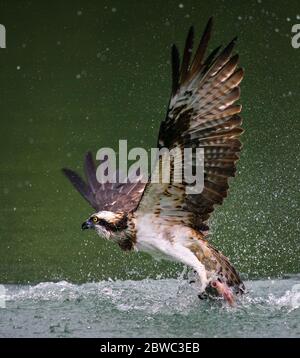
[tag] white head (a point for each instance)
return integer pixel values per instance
(106, 223)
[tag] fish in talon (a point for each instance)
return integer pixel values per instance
(224, 291)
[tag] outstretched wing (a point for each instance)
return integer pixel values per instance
(109, 196)
(201, 114)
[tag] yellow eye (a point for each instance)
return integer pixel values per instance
(95, 219)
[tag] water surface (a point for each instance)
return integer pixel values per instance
(149, 308)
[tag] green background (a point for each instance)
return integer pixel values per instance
(79, 75)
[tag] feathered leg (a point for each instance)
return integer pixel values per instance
(222, 277)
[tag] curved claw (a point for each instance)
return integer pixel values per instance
(203, 296)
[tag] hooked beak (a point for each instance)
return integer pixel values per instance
(87, 225)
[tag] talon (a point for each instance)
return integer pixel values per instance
(202, 296)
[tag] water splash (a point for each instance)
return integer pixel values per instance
(150, 308)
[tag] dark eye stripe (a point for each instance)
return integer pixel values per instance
(119, 225)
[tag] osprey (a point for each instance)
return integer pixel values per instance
(161, 218)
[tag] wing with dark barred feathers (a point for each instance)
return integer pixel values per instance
(201, 114)
(110, 197)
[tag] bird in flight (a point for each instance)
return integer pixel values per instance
(162, 218)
